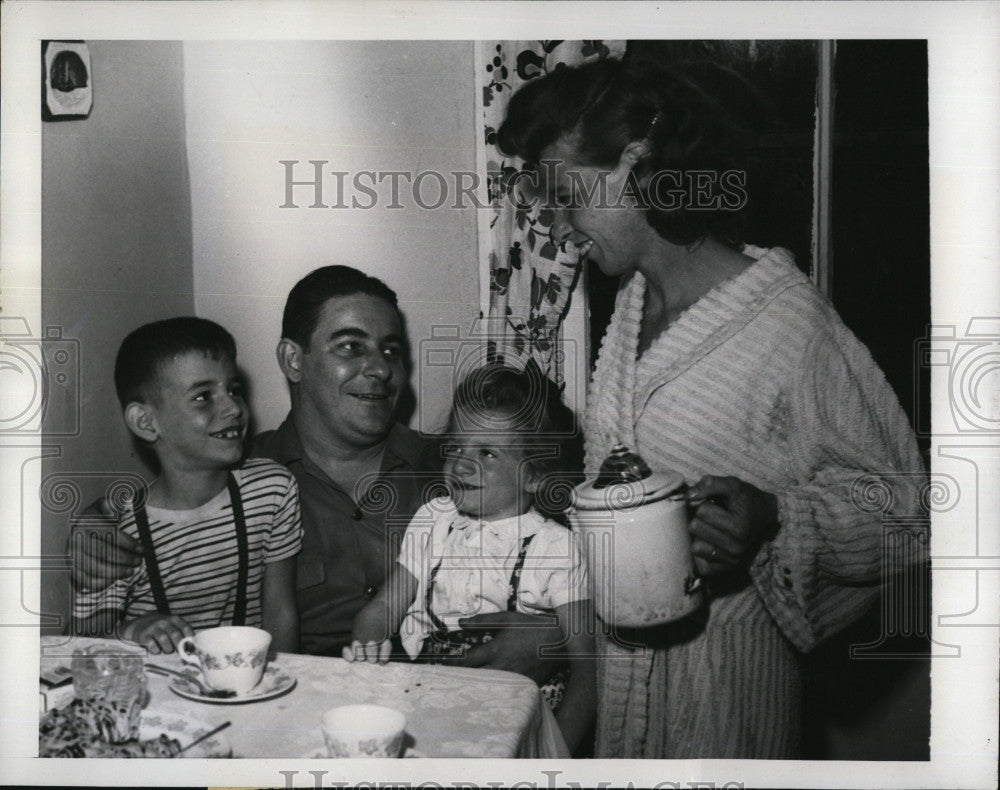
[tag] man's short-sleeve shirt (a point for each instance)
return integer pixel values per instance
(350, 539)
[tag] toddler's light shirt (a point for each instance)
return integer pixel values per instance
(477, 559)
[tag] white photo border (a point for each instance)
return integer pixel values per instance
(964, 63)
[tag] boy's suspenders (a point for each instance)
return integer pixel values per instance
(149, 555)
(243, 572)
(513, 587)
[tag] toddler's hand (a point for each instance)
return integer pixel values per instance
(156, 632)
(372, 652)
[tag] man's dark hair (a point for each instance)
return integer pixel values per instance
(142, 353)
(307, 297)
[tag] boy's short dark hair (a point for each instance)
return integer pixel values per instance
(534, 405)
(144, 350)
(308, 295)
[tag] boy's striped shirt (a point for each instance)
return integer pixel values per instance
(197, 552)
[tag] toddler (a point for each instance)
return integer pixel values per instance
(219, 537)
(487, 548)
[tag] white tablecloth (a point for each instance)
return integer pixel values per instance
(450, 711)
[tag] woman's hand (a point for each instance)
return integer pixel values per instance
(731, 520)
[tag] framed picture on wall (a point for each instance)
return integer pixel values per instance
(67, 84)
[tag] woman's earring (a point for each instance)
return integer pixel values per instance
(652, 124)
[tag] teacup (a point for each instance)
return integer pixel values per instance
(363, 731)
(231, 658)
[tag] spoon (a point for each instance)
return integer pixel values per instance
(202, 688)
(207, 735)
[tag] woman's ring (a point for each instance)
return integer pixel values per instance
(715, 553)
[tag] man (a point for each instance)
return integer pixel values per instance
(361, 474)
(342, 351)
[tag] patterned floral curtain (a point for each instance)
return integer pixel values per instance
(530, 280)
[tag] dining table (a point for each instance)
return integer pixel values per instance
(450, 711)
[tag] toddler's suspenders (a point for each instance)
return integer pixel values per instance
(513, 587)
(242, 545)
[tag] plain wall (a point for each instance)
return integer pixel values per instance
(379, 106)
(116, 253)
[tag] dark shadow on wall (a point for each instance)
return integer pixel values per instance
(878, 708)
(880, 272)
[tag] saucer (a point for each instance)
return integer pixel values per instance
(272, 684)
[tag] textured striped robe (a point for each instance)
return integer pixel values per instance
(761, 380)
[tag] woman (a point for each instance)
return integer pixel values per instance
(723, 363)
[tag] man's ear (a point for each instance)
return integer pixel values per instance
(633, 153)
(534, 481)
(141, 420)
(289, 355)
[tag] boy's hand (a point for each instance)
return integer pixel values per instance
(156, 632)
(98, 553)
(372, 651)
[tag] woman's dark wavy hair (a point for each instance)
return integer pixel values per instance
(534, 405)
(604, 105)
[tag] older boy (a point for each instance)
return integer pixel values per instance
(219, 539)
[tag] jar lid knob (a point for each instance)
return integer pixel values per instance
(622, 466)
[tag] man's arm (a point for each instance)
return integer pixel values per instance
(280, 613)
(517, 645)
(579, 703)
(98, 553)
